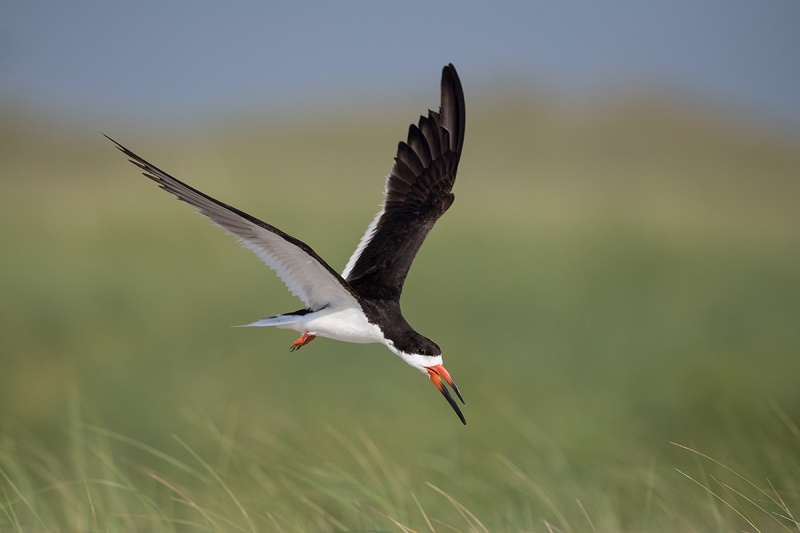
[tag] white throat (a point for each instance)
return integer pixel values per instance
(420, 362)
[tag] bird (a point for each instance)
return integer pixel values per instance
(362, 304)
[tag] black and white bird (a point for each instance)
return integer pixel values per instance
(361, 305)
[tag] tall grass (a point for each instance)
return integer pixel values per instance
(249, 479)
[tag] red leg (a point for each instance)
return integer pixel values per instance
(302, 341)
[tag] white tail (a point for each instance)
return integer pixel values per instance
(280, 320)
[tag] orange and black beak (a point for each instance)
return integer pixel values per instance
(438, 373)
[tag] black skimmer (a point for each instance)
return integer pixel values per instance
(362, 304)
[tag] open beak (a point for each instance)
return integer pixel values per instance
(437, 374)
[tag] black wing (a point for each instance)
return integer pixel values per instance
(418, 192)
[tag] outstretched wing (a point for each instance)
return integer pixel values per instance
(305, 274)
(417, 194)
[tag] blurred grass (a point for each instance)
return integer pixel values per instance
(610, 279)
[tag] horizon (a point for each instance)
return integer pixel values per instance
(163, 64)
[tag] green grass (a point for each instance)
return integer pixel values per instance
(609, 281)
(291, 478)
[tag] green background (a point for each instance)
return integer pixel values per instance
(611, 278)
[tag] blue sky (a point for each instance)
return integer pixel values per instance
(159, 60)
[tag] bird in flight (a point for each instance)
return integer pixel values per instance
(361, 305)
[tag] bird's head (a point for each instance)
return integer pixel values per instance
(424, 355)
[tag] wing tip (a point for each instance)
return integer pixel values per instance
(452, 109)
(118, 145)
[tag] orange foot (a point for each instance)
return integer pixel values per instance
(302, 341)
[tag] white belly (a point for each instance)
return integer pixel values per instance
(348, 325)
